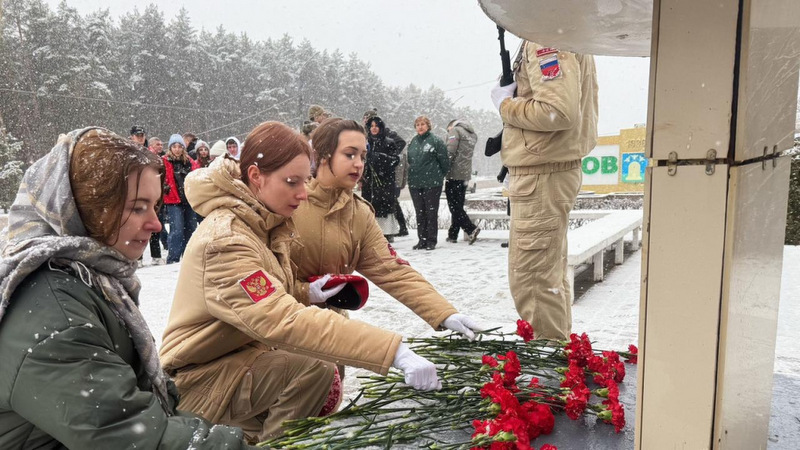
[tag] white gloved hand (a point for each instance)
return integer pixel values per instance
(419, 372)
(462, 324)
(500, 93)
(316, 294)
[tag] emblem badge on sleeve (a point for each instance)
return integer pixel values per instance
(548, 63)
(257, 286)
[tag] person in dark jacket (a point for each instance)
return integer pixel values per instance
(157, 148)
(378, 180)
(401, 171)
(79, 365)
(190, 142)
(180, 216)
(138, 135)
(427, 165)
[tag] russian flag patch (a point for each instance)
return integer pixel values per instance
(548, 63)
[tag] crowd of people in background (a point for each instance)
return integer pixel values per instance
(427, 166)
(265, 340)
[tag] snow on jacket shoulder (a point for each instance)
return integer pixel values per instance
(235, 290)
(71, 377)
(337, 233)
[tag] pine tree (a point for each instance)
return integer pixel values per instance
(11, 168)
(144, 70)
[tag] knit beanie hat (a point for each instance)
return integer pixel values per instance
(176, 139)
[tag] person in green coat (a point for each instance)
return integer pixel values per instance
(79, 365)
(427, 165)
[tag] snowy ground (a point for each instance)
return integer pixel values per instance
(474, 279)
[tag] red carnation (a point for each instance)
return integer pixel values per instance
(481, 427)
(613, 391)
(616, 367)
(596, 364)
(548, 447)
(576, 400)
(613, 414)
(574, 376)
(539, 417)
(525, 330)
(511, 368)
(618, 417)
(634, 354)
(487, 360)
(516, 426)
(575, 405)
(579, 348)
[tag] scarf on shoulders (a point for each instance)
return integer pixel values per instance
(44, 226)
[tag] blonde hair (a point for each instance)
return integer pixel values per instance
(423, 119)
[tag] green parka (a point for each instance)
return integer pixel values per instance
(427, 161)
(71, 378)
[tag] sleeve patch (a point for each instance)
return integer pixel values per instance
(397, 259)
(545, 51)
(548, 63)
(257, 286)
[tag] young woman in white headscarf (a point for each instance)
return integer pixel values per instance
(79, 366)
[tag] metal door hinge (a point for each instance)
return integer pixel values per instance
(710, 162)
(711, 158)
(672, 163)
(773, 156)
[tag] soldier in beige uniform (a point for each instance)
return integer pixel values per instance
(241, 348)
(548, 127)
(338, 233)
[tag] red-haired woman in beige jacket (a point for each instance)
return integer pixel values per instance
(241, 348)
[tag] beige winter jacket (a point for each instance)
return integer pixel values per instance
(216, 312)
(551, 121)
(338, 234)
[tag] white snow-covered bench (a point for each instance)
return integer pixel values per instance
(588, 242)
(591, 240)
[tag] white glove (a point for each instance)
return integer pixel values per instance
(500, 93)
(462, 324)
(418, 371)
(318, 295)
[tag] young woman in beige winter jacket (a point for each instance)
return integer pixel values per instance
(241, 346)
(337, 231)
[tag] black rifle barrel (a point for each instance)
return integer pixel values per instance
(494, 144)
(507, 77)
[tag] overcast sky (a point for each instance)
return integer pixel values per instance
(447, 43)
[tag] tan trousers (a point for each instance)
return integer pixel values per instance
(537, 257)
(277, 386)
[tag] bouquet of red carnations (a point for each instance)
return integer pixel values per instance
(503, 390)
